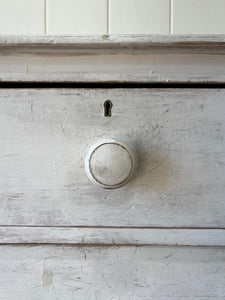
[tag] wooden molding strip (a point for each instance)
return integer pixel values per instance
(113, 59)
(112, 41)
(112, 236)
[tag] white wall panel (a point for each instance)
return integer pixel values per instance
(77, 17)
(22, 17)
(198, 16)
(89, 17)
(139, 16)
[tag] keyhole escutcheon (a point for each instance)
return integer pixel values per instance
(108, 108)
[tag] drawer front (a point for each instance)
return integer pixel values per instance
(178, 135)
(128, 273)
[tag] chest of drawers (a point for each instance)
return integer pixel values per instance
(159, 236)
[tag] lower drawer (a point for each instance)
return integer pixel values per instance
(178, 135)
(128, 273)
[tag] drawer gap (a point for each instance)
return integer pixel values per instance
(111, 85)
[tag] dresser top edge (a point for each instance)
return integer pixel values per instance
(145, 43)
(113, 59)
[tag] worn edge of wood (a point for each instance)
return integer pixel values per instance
(27, 44)
(112, 236)
(18, 52)
(117, 40)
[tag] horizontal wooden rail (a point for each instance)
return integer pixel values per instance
(111, 236)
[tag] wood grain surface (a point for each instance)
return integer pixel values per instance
(114, 59)
(162, 236)
(178, 135)
(92, 236)
(126, 273)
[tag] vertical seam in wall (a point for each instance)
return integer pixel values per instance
(171, 16)
(46, 24)
(108, 5)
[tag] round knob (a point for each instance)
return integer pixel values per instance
(110, 163)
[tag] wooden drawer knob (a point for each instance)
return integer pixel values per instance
(110, 163)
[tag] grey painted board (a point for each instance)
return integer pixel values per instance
(120, 59)
(61, 237)
(111, 236)
(112, 42)
(179, 136)
(113, 68)
(128, 273)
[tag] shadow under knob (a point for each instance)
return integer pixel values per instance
(110, 163)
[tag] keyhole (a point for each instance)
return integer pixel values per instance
(107, 108)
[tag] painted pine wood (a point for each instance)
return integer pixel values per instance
(145, 59)
(112, 236)
(33, 43)
(178, 135)
(120, 68)
(63, 238)
(128, 273)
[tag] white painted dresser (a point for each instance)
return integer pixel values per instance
(160, 236)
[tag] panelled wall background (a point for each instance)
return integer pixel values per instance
(86, 17)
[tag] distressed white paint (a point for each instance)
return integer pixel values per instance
(63, 238)
(156, 68)
(178, 135)
(112, 236)
(198, 16)
(113, 41)
(110, 163)
(113, 59)
(128, 273)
